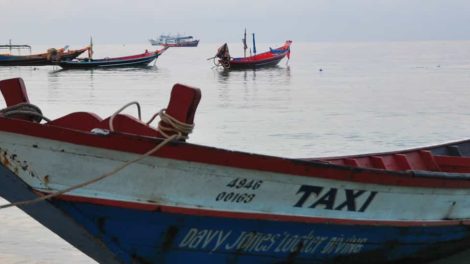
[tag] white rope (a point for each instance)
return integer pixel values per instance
(111, 119)
(179, 128)
(176, 126)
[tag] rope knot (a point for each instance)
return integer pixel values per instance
(169, 126)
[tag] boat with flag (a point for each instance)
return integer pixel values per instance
(125, 191)
(253, 61)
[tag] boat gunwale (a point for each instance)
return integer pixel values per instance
(190, 152)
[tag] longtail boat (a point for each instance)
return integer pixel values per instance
(124, 191)
(266, 59)
(51, 57)
(138, 60)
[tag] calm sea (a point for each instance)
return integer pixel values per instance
(330, 99)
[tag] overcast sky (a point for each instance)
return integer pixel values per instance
(134, 21)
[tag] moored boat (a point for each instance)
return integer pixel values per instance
(175, 41)
(254, 61)
(122, 193)
(51, 57)
(138, 60)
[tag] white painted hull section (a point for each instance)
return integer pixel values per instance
(52, 166)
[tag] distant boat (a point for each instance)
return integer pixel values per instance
(265, 59)
(175, 41)
(51, 57)
(138, 60)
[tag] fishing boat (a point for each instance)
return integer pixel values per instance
(138, 60)
(175, 41)
(266, 59)
(51, 57)
(125, 191)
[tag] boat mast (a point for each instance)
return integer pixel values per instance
(254, 46)
(244, 44)
(90, 49)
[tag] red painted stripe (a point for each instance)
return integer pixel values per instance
(208, 155)
(255, 216)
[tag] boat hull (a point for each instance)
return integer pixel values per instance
(23, 61)
(175, 42)
(13, 189)
(153, 213)
(166, 237)
(113, 232)
(36, 60)
(111, 63)
(192, 43)
(234, 65)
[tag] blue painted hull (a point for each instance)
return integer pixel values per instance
(13, 189)
(157, 237)
(121, 235)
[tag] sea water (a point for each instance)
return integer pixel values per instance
(329, 99)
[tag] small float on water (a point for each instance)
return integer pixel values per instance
(124, 191)
(266, 59)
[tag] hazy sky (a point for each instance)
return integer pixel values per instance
(134, 21)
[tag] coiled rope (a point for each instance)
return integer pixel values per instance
(176, 126)
(221, 62)
(179, 128)
(24, 109)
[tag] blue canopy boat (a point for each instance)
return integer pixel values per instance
(123, 191)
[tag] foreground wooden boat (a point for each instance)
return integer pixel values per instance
(190, 203)
(139, 60)
(51, 57)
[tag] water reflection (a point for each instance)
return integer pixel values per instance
(7, 72)
(274, 75)
(247, 89)
(59, 80)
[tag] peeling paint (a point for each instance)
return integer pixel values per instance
(4, 159)
(448, 215)
(13, 162)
